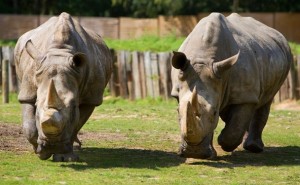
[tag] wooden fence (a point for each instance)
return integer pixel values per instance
(13, 26)
(138, 75)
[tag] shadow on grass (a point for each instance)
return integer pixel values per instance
(272, 156)
(122, 157)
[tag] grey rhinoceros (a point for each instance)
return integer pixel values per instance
(230, 67)
(63, 70)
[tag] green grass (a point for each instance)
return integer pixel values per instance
(295, 47)
(11, 42)
(149, 43)
(135, 142)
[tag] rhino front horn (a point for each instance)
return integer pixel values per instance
(52, 122)
(53, 100)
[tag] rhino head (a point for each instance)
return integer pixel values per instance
(58, 75)
(197, 85)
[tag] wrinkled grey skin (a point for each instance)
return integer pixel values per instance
(230, 67)
(63, 70)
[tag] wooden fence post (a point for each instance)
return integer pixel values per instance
(298, 75)
(136, 75)
(142, 74)
(114, 81)
(164, 62)
(122, 74)
(5, 88)
(130, 85)
(293, 80)
(155, 74)
(0, 66)
(148, 74)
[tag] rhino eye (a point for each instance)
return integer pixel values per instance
(77, 61)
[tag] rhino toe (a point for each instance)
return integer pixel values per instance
(69, 157)
(197, 152)
(254, 146)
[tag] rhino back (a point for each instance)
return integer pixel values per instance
(263, 63)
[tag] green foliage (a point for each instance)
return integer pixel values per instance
(295, 48)
(142, 8)
(8, 42)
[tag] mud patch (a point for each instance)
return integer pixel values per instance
(13, 139)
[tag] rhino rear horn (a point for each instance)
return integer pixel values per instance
(32, 50)
(220, 67)
(179, 60)
(194, 102)
(53, 100)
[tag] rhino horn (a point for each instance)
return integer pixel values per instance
(32, 50)
(53, 100)
(52, 122)
(194, 102)
(220, 67)
(191, 130)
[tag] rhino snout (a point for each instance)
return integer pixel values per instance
(52, 122)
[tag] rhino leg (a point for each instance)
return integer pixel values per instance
(237, 120)
(29, 124)
(254, 141)
(85, 113)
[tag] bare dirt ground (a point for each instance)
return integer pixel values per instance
(287, 105)
(12, 138)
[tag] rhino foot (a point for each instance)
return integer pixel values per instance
(44, 156)
(69, 157)
(255, 146)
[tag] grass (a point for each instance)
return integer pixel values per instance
(135, 142)
(149, 43)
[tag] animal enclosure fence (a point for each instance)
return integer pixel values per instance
(128, 28)
(137, 75)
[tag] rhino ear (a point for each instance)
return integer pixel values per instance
(179, 60)
(79, 59)
(220, 67)
(32, 50)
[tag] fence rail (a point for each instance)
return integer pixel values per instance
(138, 75)
(126, 28)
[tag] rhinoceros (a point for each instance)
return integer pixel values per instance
(229, 67)
(63, 69)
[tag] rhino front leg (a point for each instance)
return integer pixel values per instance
(29, 124)
(254, 141)
(237, 120)
(85, 113)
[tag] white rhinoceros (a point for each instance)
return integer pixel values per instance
(230, 67)
(63, 70)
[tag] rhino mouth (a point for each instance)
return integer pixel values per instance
(203, 150)
(46, 149)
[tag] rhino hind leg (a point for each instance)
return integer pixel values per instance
(254, 142)
(237, 119)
